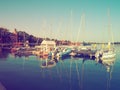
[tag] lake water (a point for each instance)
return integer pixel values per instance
(25, 73)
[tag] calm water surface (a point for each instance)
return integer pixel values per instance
(25, 73)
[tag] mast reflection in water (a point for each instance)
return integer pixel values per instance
(25, 73)
(109, 64)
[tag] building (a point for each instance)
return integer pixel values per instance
(48, 45)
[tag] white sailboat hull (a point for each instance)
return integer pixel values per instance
(108, 55)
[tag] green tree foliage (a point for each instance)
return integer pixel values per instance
(4, 35)
(21, 36)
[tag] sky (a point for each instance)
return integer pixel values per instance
(75, 20)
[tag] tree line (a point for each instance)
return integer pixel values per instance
(21, 36)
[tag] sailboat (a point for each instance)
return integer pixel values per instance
(108, 52)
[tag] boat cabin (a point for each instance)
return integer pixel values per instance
(48, 45)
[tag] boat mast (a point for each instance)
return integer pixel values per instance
(44, 28)
(109, 28)
(16, 36)
(71, 13)
(82, 26)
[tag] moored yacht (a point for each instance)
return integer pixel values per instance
(105, 54)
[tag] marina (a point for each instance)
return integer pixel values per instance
(68, 73)
(59, 45)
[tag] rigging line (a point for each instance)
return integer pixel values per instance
(79, 28)
(58, 73)
(59, 29)
(64, 67)
(109, 27)
(111, 72)
(61, 64)
(78, 74)
(71, 24)
(108, 81)
(43, 72)
(70, 73)
(50, 74)
(82, 74)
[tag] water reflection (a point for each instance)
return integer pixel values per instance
(2, 87)
(4, 55)
(77, 66)
(108, 63)
(73, 70)
(20, 55)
